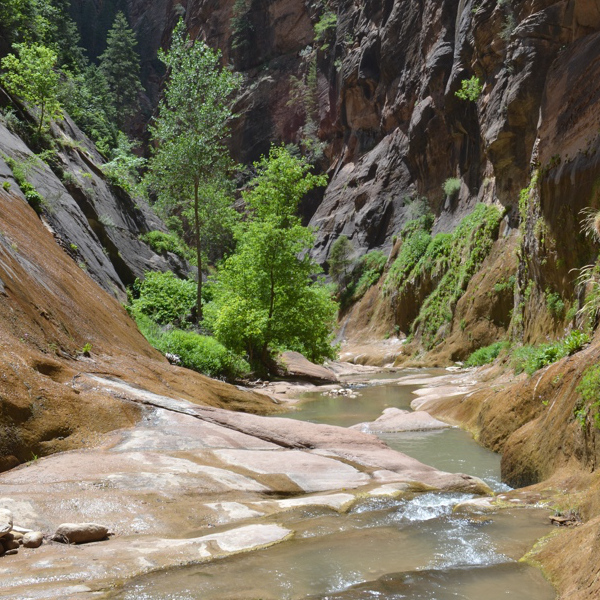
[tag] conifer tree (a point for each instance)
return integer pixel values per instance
(120, 64)
(189, 168)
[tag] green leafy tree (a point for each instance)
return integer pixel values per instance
(120, 64)
(32, 76)
(188, 169)
(265, 295)
(470, 89)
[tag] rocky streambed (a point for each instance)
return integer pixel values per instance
(346, 515)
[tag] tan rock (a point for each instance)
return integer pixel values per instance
(6, 521)
(80, 533)
(33, 539)
(395, 419)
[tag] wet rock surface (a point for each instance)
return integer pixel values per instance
(189, 469)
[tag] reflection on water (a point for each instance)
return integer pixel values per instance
(413, 547)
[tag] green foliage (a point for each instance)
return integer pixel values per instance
(589, 389)
(325, 25)
(187, 172)
(19, 171)
(486, 355)
(265, 296)
(163, 297)
(525, 196)
(162, 242)
(124, 166)
(120, 64)
(529, 359)
(241, 26)
(453, 259)
(413, 248)
(505, 284)
(87, 99)
(6, 186)
(32, 77)
(451, 186)
(554, 304)
(470, 89)
(197, 352)
(365, 273)
(340, 259)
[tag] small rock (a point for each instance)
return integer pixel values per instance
(10, 552)
(10, 544)
(6, 521)
(33, 539)
(17, 535)
(80, 533)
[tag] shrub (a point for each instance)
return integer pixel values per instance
(470, 89)
(529, 359)
(451, 186)
(589, 388)
(325, 24)
(163, 297)
(486, 355)
(162, 242)
(197, 352)
(452, 259)
(554, 304)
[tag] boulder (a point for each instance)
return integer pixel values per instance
(6, 521)
(33, 539)
(80, 533)
(394, 419)
(297, 366)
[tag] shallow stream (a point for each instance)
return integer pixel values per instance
(413, 548)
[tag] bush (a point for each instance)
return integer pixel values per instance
(529, 359)
(163, 297)
(486, 355)
(366, 273)
(470, 89)
(589, 388)
(197, 352)
(554, 304)
(451, 186)
(162, 242)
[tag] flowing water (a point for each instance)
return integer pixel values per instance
(413, 548)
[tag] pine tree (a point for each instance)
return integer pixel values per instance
(120, 64)
(189, 168)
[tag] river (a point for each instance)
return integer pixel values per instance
(412, 547)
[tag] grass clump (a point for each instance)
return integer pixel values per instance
(486, 355)
(416, 238)
(197, 352)
(530, 359)
(589, 389)
(455, 258)
(451, 186)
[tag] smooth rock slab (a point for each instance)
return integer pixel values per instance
(80, 533)
(395, 420)
(310, 472)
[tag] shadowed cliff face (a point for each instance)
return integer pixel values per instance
(382, 98)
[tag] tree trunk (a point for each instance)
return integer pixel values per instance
(198, 251)
(39, 131)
